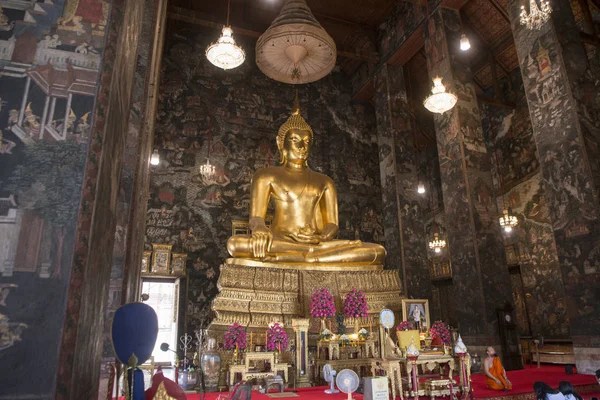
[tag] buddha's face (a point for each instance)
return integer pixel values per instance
(296, 145)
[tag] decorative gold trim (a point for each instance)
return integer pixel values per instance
(160, 251)
(305, 267)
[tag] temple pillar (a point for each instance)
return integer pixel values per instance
(480, 278)
(404, 219)
(300, 326)
(559, 79)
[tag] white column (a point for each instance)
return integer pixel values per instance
(67, 114)
(24, 101)
(44, 115)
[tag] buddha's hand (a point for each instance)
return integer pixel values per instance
(307, 235)
(261, 241)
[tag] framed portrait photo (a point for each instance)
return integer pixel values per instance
(417, 312)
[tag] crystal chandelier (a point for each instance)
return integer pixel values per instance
(537, 15)
(437, 244)
(439, 101)
(508, 221)
(225, 53)
(207, 170)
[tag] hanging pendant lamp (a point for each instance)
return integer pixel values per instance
(464, 43)
(225, 53)
(439, 101)
(295, 48)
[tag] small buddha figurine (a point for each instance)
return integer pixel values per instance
(306, 212)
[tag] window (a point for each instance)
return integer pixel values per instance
(163, 296)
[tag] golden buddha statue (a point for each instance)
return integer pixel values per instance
(306, 212)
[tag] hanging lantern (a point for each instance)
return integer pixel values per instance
(508, 221)
(295, 49)
(420, 188)
(155, 158)
(537, 16)
(437, 244)
(439, 101)
(207, 170)
(464, 43)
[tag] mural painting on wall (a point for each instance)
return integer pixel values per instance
(50, 55)
(540, 300)
(232, 119)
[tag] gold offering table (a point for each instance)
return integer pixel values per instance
(254, 293)
(428, 363)
(250, 370)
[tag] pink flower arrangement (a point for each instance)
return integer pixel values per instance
(355, 304)
(277, 338)
(442, 331)
(405, 326)
(235, 335)
(322, 304)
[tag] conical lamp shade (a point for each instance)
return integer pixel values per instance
(295, 48)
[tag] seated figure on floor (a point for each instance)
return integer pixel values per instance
(568, 391)
(306, 212)
(543, 391)
(495, 375)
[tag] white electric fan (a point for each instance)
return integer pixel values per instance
(329, 376)
(347, 382)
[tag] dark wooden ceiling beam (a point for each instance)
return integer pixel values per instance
(189, 17)
(483, 60)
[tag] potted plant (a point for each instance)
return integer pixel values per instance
(355, 306)
(235, 339)
(277, 339)
(440, 334)
(322, 305)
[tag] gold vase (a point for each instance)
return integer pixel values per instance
(323, 326)
(356, 325)
(276, 354)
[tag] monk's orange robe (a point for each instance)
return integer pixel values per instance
(497, 370)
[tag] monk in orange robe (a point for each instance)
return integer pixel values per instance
(495, 375)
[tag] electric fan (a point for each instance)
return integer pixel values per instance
(347, 382)
(329, 376)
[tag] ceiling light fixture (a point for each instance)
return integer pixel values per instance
(508, 221)
(439, 101)
(155, 158)
(437, 244)
(537, 16)
(225, 53)
(421, 188)
(464, 43)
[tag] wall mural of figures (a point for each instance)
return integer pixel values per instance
(50, 55)
(561, 88)
(509, 138)
(232, 118)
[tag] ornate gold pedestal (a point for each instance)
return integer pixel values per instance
(254, 293)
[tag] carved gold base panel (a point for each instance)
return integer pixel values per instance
(254, 293)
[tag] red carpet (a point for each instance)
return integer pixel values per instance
(522, 381)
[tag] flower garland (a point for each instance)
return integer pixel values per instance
(441, 330)
(277, 338)
(405, 326)
(322, 304)
(235, 335)
(355, 304)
